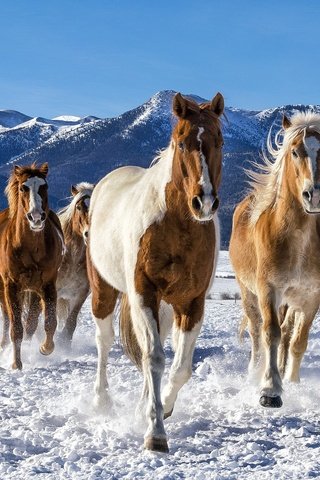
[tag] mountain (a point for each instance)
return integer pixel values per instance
(87, 148)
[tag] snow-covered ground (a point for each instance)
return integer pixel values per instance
(49, 429)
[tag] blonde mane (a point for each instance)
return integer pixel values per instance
(66, 213)
(266, 183)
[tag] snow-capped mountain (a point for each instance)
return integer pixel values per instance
(87, 148)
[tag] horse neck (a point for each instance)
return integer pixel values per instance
(288, 200)
(74, 242)
(177, 203)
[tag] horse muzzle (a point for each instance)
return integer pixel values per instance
(36, 220)
(311, 200)
(204, 207)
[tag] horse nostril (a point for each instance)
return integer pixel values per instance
(196, 203)
(307, 194)
(30, 217)
(215, 204)
(43, 216)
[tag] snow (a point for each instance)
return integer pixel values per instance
(50, 430)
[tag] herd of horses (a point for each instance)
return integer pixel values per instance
(150, 238)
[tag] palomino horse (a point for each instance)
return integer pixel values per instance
(154, 236)
(274, 250)
(31, 244)
(72, 282)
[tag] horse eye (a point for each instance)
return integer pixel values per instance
(181, 146)
(294, 153)
(24, 188)
(78, 207)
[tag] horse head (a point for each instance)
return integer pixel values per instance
(198, 142)
(304, 153)
(80, 218)
(32, 194)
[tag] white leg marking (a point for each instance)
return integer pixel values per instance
(104, 341)
(181, 369)
(153, 362)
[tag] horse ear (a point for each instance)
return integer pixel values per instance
(17, 170)
(286, 123)
(182, 107)
(217, 104)
(74, 190)
(44, 168)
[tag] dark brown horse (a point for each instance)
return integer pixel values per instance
(154, 235)
(72, 281)
(31, 245)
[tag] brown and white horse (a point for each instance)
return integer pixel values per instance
(274, 250)
(154, 236)
(72, 281)
(31, 244)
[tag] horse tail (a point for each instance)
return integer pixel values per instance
(127, 334)
(243, 326)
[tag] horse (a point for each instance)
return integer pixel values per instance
(72, 281)
(274, 249)
(31, 246)
(154, 236)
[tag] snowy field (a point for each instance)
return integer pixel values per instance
(49, 429)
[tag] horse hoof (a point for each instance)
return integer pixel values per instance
(270, 402)
(17, 365)
(168, 414)
(46, 350)
(156, 444)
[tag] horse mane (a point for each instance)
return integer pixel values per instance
(12, 189)
(266, 182)
(65, 214)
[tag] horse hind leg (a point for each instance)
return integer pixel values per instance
(103, 303)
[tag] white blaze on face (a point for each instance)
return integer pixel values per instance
(35, 200)
(312, 146)
(205, 182)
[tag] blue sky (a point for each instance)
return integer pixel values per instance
(105, 57)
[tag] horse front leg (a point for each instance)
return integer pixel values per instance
(34, 310)
(71, 321)
(13, 306)
(299, 342)
(271, 385)
(6, 325)
(144, 312)
(49, 296)
(188, 321)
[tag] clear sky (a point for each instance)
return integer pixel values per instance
(101, 57)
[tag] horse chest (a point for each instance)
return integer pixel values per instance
(178, 261)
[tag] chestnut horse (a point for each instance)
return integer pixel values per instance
(154, 236)
(72, 281)
(274, 250)
(31, 245)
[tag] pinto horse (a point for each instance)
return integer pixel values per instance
(72, 281)
(31, 245)
(154, 236)
(274, 250)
